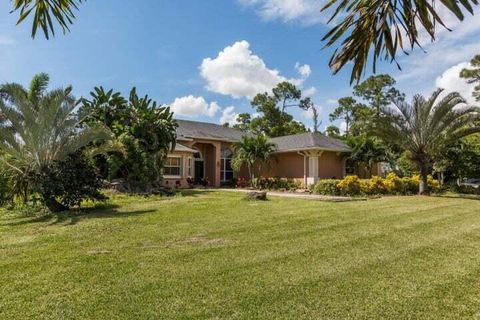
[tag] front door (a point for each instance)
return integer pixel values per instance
(199, 171)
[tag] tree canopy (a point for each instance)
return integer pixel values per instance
(427, 127)
(274, 121)
(472, 75)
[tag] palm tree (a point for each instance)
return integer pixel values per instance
(41, 128)
(383, 27)
(44, 11)
(251, 151)
(428, 126)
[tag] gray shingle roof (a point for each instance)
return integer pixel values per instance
(194, 129)
(181, 148)
(309, 141)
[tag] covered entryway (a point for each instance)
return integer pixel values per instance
(199, 170)
(310, 166)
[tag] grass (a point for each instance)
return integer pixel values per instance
(212, 255)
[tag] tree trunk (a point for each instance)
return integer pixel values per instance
(423, 185)
(53, 205)
(250, 175)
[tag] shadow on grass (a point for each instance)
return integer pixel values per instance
(194, 192)
(74, 216)
(460, 196)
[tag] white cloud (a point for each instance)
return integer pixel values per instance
(229, 115)
(332, 101)
(191, 106)
(304, 70)
(237, 72)
(306, 12)
(309, 92)
(451, 82)
(343, 127)
(450, 48)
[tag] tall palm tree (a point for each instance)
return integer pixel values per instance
(381, 28)
(252, 151)
(41, 128)
(428, 126)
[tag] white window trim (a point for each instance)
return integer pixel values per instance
(180, 167)
(223, 173)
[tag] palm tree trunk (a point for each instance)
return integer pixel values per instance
(423, 185)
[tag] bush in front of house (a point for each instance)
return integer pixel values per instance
(390, 185)
(276, 184)
(327, 187)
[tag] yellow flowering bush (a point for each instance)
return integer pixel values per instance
(375, 185)
(391, 184)
(350, 185)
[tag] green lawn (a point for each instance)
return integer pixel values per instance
(212, 255)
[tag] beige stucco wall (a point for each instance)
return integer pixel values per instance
(291, 165)
(330, 165)
(211, 152)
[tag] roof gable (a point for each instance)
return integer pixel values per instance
(204, 130)
(309, 141)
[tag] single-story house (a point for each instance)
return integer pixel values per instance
(204, 151)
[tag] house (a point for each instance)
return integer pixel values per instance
(204, 151)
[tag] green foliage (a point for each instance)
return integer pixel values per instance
(276, 184)
(146, 131)
(333, 131)
(327, 187)
(391, 185)
(427, 128)
(243, 122)
(45, 11)
(382, 28)
(42, 129)
(473, 75)
(344, 111)
(274, 121)
(378, 91)
(254, 152)
(71, 181)
(367, 151)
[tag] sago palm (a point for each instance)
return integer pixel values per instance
(41, 128)
(428, 126)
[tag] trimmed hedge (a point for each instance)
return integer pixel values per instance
(391, 185)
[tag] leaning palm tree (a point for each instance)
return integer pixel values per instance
(428, 126)
(252, 151)
(40, 129)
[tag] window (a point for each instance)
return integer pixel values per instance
(189, 167)
(172, 166)
(226, 171)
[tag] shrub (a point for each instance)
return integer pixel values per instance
(327, 187)
(393, 184)
(275, 184)
(372, 186)
(70, 181)
(350, 185)
(241, 182)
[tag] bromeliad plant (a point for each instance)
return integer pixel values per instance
(427, 127)
(41, 129)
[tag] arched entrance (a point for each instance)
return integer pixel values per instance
(199, 171)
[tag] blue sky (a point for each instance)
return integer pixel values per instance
(207, 58)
